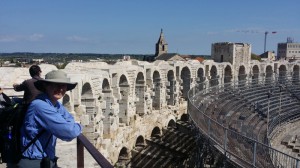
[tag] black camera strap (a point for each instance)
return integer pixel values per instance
(33, 141)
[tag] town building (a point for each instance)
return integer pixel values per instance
(289, 50)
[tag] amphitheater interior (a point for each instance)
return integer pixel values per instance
(253, 122)
(183, 113)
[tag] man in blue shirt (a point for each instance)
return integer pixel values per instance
(47, 119)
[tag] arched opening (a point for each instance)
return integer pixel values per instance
(255, 74)
(156, 133)
(282, 74)
(171, 88)
(200, 79)
(123, 102)
(242, 76)
(123, 156)
(156, 91)
(269, 72)
(227, 74)
(296, 74)
(66, 102)
(106, 101)
(86, 93)
(89, 102)
(140, 94)
(184, 117)
(172, 124)
(214, 80)
(139, 143)
(186, 81)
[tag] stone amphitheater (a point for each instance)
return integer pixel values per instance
(127, 106)
(159, 114)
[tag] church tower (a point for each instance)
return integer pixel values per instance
(161, 45)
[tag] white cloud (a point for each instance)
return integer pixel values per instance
(8, 38)
(77, 38)
(35, 37)
(16, 38)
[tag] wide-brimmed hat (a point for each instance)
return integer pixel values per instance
(55, 76)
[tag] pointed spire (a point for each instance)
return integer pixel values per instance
(161, 38)
(161, 45)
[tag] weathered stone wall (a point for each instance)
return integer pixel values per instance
(119, 104)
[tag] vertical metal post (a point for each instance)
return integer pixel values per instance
(80, 154)
(209, 127)
(265, 41)
(225, 147)
(268, 118)
(280, 89)
(225, 141)
(254, 154)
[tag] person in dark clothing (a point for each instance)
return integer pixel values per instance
(4, 99)
(30, 92)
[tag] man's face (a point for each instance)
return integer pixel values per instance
(56, 90)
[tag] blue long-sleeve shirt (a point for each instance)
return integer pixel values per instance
(56, 120)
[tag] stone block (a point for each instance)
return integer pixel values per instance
(85, 120)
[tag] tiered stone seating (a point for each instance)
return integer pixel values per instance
(245, 110)
(169, 150)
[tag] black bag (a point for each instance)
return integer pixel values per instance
(11, 120)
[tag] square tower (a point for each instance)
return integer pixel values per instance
(235, 53)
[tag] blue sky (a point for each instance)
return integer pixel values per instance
(133, 26)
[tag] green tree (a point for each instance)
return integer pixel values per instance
(255, 57)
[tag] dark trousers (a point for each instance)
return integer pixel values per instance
(33, 163)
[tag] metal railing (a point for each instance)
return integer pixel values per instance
(236, 146)
(82, 142)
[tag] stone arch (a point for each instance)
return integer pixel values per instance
(106, 101)
(269, 72)
(200, 75)
(296, 72)
(86, 90)
(242, 74)
(214, 76)
(123, 102)
(156, 133)
(89, 102)
(227, 74)
(171, 124)
(66, 102)
(124, 156)
(156, 90)
(139, 143)
(171, 88)
(282, 73)
(140, 93)
(186, 81)
(255, 74)
(184, 117)
(200, 78)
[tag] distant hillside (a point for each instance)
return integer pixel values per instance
(68, 56)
